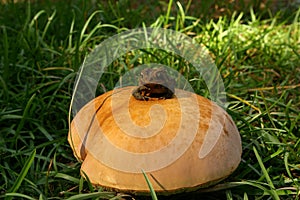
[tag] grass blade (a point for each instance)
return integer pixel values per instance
(24, 117)
(35, 18)
(50, 19)
(71, 32)
(23, 196)
(23, 173)
(265, 172)
(6, 61)
(153, 194)
(83, 31)
(101, 195)
(168, 13)
(67, 177)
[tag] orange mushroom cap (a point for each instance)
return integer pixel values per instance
(181, 147)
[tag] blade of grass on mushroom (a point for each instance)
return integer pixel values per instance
(152, 192)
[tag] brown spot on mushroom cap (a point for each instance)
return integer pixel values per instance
(190, 171)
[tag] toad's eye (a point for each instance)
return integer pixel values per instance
(158, 74)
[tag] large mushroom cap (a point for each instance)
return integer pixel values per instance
(181, 147)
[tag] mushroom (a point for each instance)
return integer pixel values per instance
(180, 147)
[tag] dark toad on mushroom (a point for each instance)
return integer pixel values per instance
(154, 83)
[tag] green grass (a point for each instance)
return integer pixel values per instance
(43, 44)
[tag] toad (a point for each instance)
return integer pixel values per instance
(154, 83)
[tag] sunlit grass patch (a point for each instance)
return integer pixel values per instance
(42, 48)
